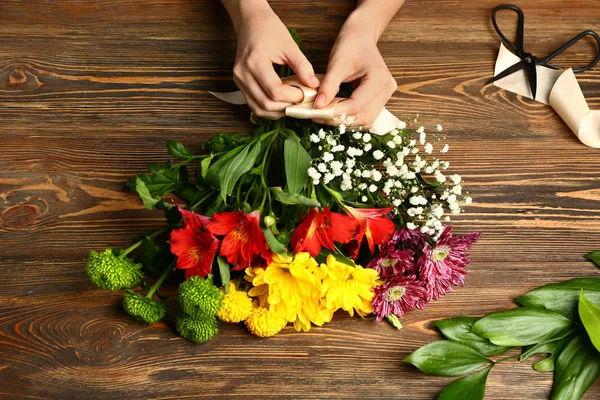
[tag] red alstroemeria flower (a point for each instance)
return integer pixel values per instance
(244, 244)
(322, 228)
(374, 224)
(194, 245)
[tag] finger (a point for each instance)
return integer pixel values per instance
(367, 101)
(254, 106)
(302, 67)
(272, 86)
(330, 86)
(260, 104)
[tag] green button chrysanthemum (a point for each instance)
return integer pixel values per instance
(198, 330)
(199, 297)
(110, 272)
(142, 308)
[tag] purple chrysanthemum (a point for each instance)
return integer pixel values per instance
(443, 265)
(412, 239)
(391, 262)
(400, 294)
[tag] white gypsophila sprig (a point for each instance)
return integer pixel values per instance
(394, 170)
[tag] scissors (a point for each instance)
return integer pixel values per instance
(528, 61)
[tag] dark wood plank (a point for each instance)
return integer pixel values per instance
(89, 92)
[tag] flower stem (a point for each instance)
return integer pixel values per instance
(139, 242)
(197, 203)
(160, 280)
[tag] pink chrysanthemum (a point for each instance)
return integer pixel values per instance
(412, 239)
(390, 261)
(443, 265)
(401, 294)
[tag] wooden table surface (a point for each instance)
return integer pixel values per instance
(89, 92)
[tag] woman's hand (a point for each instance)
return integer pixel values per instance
(263, 40)
(356, 58)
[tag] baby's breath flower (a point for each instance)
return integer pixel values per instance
(366, 138)
(456, 179)
(368, 147)
(321, 134)
(439, 127)
(372, 188)
(378, 154)
(376, 175)
(445, 149)
(322, 167)
(428, 148)
(314, 138)
(364, 199)
(440, 177)
(401, 125)
(327, 156)
(467, 200)
(391, 144)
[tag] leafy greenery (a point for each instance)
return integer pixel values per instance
(557, 319)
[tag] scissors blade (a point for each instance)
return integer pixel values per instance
(508, 71)
(531, 71)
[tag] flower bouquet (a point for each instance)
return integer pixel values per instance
(290, 224)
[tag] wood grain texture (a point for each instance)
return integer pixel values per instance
(89, 92)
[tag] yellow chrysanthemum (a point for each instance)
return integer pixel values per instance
(264, 323)
(291, 289)
(236, 307)
(348, 287)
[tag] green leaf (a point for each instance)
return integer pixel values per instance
(224, 272)
(590, 316)
(577, 367)
(163, 182)
(553, 348)
(178, 150)
(274, 244)
(297, 161)
(562, 297)
(594, 257)
(293, 199)
(458, 329)
(470, 387)
(522, 327)
(228, 169)
(147, 198)
(157, 168)
(204, 165)
(446, 358)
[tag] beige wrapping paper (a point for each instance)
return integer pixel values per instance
(557, 88)
(384, 123)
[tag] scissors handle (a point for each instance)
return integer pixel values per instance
(518, 46)
(545, 61)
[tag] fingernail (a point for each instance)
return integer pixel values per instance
(320, 101)
(315, 81)
(319, 121)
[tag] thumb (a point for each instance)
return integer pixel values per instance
(329, 87)
(302, 67)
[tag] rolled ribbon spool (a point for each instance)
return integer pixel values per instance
(384, 123)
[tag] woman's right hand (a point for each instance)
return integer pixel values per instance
(263, 40)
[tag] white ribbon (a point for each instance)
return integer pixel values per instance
(384, 123)
(557, 88)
